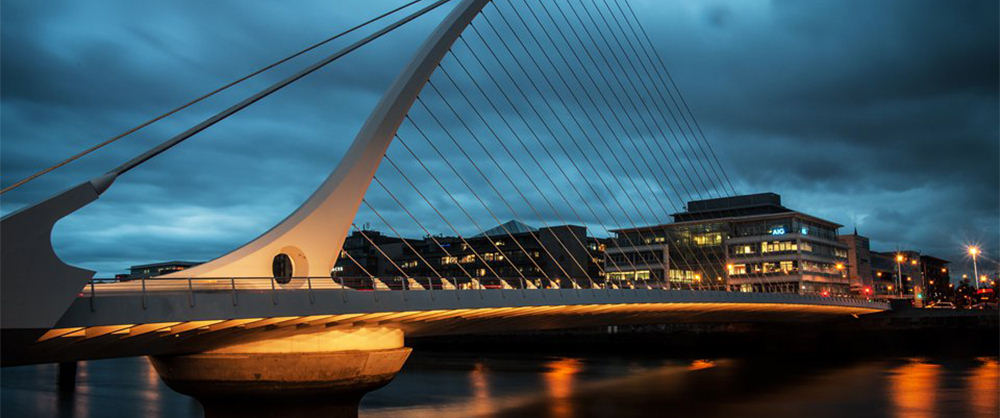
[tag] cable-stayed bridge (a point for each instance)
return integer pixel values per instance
(559, 113)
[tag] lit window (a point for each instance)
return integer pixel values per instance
(714, 238)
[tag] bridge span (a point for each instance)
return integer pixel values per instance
(107, 321)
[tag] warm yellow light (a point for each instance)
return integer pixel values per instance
(899, 258)
(932, 282)
(840, 266)
(697, 277)
(878, 273)
(973, 251)
(889, 287)
(914, 262)
(944, 270)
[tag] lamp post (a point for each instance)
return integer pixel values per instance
(899, 273)
(974, 251)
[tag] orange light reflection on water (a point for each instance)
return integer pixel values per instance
(984, 386)
(559, 381)
(914, 388)
(701, 364)
(482, 402)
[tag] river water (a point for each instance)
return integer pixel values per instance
(447, 384)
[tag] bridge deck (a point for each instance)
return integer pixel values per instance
(115, 324)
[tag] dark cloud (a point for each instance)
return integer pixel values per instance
(876, 114)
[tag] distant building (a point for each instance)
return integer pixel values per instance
(884, 273)
(564, 254)
(741, 243)
(936, 277)
(157, 269)
(363, 258)
(859, 263)
(899, 269)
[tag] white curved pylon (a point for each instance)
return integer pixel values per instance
(312, 236)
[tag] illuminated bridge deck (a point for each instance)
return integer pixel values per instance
(114, 323)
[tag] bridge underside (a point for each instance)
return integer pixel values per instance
(179, 323)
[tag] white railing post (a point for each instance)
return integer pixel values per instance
(232, 285)
(190, 293)
(309, 284)
(274, 292)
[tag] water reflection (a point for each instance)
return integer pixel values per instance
(442, 385)
(984, 387)
(701, 364)
(482, 402)
(914, 386)
(559, 384)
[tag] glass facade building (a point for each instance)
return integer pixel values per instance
(743, 243)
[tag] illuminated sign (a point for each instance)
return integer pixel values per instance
(778, 230)
(804, 230)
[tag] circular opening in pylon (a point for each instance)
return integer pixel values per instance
(282, 268)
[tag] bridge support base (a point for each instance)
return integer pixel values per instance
(257, 380)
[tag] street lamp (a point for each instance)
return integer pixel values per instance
(974, 251)
(899, 273)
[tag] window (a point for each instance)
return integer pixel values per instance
(737, 269)
(713, 238)
(744, 249)
(449, 260)
(281, 266)
(469, 258)
(409, 264)
(489, 256)
(777, 246)
(686, 276)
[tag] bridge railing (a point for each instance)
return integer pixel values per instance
(235, 285)
(389, 283)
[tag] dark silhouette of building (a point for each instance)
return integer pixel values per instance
(156, 269)
(557, 256)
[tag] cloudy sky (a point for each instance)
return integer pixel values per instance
(880, 114)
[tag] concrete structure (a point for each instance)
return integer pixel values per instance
(171, 318)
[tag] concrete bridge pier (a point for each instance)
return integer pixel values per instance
(319, 374)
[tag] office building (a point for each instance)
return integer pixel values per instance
(747, 243)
